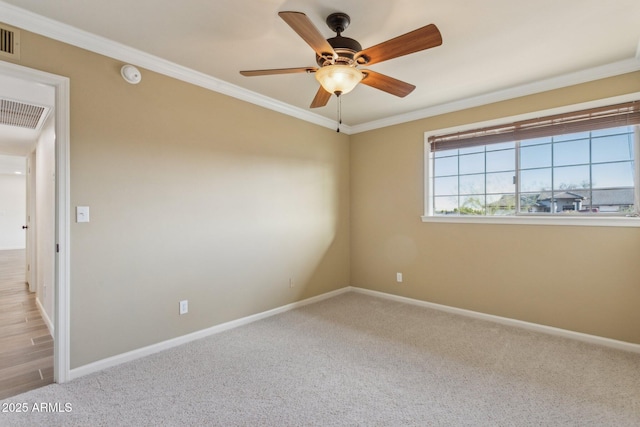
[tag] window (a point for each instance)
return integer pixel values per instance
(575, 164)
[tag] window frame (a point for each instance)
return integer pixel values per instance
(539, 218)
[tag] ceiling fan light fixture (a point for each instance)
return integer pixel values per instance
(339, 78)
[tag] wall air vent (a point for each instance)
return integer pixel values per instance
(9, 42)
(22, 115)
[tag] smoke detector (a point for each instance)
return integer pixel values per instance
(131, 74)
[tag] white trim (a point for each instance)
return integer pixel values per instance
(61, 331)
(65, 33)
(62, 356)
(45, 316)
(184, 339)
(636, 148)
(427, 179)
(174, 342)
(541, 220)
(578, 336)
(583, 76)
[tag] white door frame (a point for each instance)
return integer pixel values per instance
(61, 321)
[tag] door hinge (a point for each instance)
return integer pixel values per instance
(57, 248)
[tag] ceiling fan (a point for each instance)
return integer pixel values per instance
(339, 57)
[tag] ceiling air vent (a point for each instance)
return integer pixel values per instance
(22, 115)
(9, 42)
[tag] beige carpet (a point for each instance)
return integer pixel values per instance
(361, 361)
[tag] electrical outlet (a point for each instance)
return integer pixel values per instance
(399, 277)
(291, 283)
(184, 307)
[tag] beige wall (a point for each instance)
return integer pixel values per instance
(198, 196)
(193, 195)
(585, 279)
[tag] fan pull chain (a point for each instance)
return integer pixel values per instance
(339, 111)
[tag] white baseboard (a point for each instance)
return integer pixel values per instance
(45, 317)
(174, 342)
(592, 339)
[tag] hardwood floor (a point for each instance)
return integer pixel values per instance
(26, 347)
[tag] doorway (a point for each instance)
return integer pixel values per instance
(27, 234)
(58, 177)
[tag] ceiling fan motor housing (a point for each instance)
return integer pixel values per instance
(345, 47)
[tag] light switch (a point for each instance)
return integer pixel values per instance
(82, 213)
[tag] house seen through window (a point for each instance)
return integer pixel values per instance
(537, 168)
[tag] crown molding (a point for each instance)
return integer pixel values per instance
(50, 28)
(570, 79)
(30, 21)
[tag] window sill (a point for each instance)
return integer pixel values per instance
(541, 220)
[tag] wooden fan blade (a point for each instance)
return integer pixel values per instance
(302, 25)
(321, 98)
(414, 41)
(388, 84)
(251, 73)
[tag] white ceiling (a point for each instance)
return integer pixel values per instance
(489, 46)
